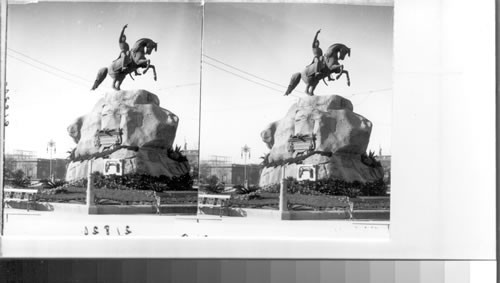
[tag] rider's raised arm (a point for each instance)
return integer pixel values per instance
(121, 39)
(315, 41)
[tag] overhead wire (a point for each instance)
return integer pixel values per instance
(245, 72)
(280, 85)
(248, 73)
(47, 71)
(368, 92)
(48, 65)
(271, 82)
(371, 91)
(180, 85)
(242, 77)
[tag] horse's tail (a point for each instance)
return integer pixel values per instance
(294, 81)
(101, 75)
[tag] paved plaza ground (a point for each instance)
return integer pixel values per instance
(50, 223)
(69, 235)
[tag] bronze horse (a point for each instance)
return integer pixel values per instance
(331, 65)
(142, 47)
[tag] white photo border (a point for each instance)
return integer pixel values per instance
(443, 162)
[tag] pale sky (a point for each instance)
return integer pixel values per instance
(80, 38)
(273, 41)
(71, 41)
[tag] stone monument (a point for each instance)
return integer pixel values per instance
(126, 125)
(129, 61)
(323, 66)
(322, 131)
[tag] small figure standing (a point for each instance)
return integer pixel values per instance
(318, 54)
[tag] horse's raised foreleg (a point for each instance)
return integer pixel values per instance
(154, 71)
(147, 63)
(342, 71)
(149, 66)
(347, 76)
(143, 62)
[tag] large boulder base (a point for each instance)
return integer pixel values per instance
(340, 132)
(147, 131)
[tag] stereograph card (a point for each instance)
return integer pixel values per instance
(206, 129)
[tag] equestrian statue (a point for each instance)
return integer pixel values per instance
(321, 67)
(128, 61)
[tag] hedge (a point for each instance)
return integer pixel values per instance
(332, 187)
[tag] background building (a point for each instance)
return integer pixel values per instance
(59, 167)
(230, 173)
(23, 160)
(385, 160)
(33, 167)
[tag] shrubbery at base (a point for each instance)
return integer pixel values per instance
(143, 182)
(333, 187)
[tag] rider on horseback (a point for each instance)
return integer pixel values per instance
(124, 48)
(136, 59)
(125, 51)
(330, 65)
(318, 54)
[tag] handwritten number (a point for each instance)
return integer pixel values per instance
(108, 230)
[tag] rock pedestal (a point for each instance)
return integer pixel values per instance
(337, 136)
(129, 126)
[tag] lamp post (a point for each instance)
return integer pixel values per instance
(51, 149)
(245, 152)
(283, 204)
